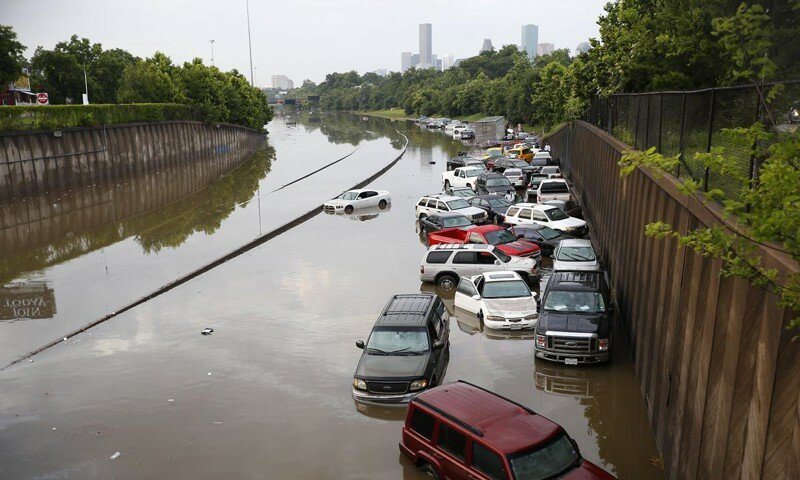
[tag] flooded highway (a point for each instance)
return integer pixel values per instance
(267, 395)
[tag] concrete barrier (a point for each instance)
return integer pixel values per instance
(36, 162)
(719, 372)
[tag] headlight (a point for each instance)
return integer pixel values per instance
(795, 113)
(532, 316)
(419, 384)
(359, 384)
(541, 341)
(602, 345)
(495, 318)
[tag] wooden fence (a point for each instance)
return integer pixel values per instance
(718, 370)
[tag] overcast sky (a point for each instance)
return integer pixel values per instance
(299, 38)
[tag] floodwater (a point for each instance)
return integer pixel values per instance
(267, 395)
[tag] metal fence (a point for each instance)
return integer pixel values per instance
(687, 122)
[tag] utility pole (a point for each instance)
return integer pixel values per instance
(255, 69)
(85, 85)
(212, 51)
(249, 42)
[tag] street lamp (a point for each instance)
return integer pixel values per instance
(212, 51)
(249, 41)
(85, 85)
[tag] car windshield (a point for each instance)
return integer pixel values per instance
(457, 204)
(576, 254)
(510, 289)
(574, 302)
(397, 341)
(497, 182)
(459, 221)
(348, 196)
(499, 202)
(556, 214)
(463, 193)
(498, 237)
(502, 256)
(473, 172)
(554, 187)
(548, 233)
(550, 461)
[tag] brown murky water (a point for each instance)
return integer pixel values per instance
(267, 395)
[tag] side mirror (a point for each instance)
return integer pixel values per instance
(360, 344)
(534, 294)
(476, 297)
(497, 262)
(438, 345)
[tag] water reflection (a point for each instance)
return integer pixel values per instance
(34, 300)
(382, 412)
(161, 210)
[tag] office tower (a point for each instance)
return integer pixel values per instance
(582, 47)
(447, 62)
(545, 49)
(425, 44)
(487, 45)
(415, 59)
(405, 61)
(530, 40)
(282, 82)
(435, 61)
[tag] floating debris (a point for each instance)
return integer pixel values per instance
(207, 331)
(116, 456)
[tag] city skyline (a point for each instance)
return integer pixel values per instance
(278, 46)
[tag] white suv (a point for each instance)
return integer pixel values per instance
(446, 263)
(435, 203)
(547, 215)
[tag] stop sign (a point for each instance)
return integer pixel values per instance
(42, 98)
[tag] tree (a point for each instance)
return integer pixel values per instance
(107, 72)
(11, 59)
(149, 81)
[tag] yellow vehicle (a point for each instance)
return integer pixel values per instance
(521, 153)
(493, 152)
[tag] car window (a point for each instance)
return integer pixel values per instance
(486, 258)
(512, 211)
(460, 221)
(537, 215)
(466, 287)
(461, 173)
(438, 257)
(556, 214)
(487, 462)
(553, 187)
(422, 423)
(423, 202)
(525, 213)
(441, 206)
(451, 440)
(465, 258)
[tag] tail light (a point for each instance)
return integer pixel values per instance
(422, 269)
(541, 341)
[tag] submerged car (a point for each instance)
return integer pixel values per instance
(575, 254)
(501, 300)
(463, 192)
(463, 431)
(349, 201)
(440, 221)
(494, 205)
(406, 352)
(547, 238)
(490, 182)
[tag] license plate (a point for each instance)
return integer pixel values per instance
(516, 327)
(570, 361)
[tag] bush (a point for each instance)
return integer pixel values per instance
(52, 117)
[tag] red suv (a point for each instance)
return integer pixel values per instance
(461, 431)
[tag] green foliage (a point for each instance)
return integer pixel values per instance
(149, 81)
(11, 59)
(53, 117)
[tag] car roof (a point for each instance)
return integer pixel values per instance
(553, 180)
(505, 425)
(501, 276)
(578, 281)
(486, 228)
(467, 167)
(442, 196)
(461, 246)
(512, 170)
(407, 310)
(576, 242)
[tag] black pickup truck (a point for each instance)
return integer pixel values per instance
(575, 319)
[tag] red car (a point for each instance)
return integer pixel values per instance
(461, 431)
(488, 234)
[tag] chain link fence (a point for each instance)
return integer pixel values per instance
(688, 122)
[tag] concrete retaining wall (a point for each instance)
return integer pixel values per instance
(718, 369)
(32, 163)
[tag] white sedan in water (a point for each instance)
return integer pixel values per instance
(354, 199)
(501, 300)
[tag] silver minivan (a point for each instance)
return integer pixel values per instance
(445, 264)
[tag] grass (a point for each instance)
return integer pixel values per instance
(395, 113)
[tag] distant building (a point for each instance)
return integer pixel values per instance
(405, 61)
(530, 40)
(282, 82)
(381, 71)
(415, 60)
(447, 62)
(545, 49)
(425, 44)
(487, 45)
(582, 47)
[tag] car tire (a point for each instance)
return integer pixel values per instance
(447, 282)
(383, 204)
(469, 186)
(348, 209)
(428, 470)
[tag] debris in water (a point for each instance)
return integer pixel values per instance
(65, 339)
(171, 400)
(116, 456)
(207, 331)
(209, 374)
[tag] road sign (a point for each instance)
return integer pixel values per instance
(42, 98)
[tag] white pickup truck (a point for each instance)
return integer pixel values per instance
(461, 177)
(553, 189)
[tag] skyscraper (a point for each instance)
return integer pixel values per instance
(447, 62)
(530, 40)
(545, 49)
(405, 61)
(425, 44)
(487, 45)
(282, 82)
